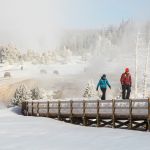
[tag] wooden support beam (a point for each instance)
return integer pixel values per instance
(90, 122)
(130, 114)
(138, 122)
(104, 123)
(121, 124)
(113, 113)
(136, 125)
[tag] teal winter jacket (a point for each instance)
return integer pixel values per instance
(103, 83)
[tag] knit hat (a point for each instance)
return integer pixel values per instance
(127, 70)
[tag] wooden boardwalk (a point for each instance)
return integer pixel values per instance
(130, 114)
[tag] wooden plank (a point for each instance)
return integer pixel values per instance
(90, 108)
(116, 107)
(74, 107)
(65, 102)
(140, 108)
(106, 107)
(106, 101)
(92, 101)
(79, 101)
(53, 107)
(139, 100)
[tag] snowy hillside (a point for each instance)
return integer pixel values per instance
(56, 76)
(36, 133)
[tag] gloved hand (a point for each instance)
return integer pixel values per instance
(122, 86)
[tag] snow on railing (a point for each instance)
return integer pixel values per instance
(139, 107)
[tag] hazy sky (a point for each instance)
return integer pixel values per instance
(38, 23)
(94, 13)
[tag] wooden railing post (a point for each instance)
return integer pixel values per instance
(37, 113)
(84, 117)
(27, 108)
(59, 110)
(71, 111)
(47, 108)
(23, 107)
(130, 114)
(97, 117)
(148, 120)
(113, 113)
(32, 109)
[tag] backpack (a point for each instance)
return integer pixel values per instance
(125, 79)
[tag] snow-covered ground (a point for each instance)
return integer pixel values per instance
(75, 66)
(36, 133)
(54, 76)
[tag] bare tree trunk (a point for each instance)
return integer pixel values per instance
(146, 71)
(136, 65)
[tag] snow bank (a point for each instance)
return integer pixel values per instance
(36, 133)
(2, 105)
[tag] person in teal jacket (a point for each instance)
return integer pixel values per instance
(102, 84)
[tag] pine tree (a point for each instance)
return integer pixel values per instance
(9, 53)
(87, 89)
(21, 94)
(36, 94)
(67, 54)
(2, 56)
(90, 90)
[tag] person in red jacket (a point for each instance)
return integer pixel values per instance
(126, 83)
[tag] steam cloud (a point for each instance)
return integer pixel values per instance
(30, 23)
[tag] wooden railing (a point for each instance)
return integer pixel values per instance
(115, 113)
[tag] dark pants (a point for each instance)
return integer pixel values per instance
(126, 89)
(103, 93)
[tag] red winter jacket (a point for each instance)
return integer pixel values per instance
(126, 79)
